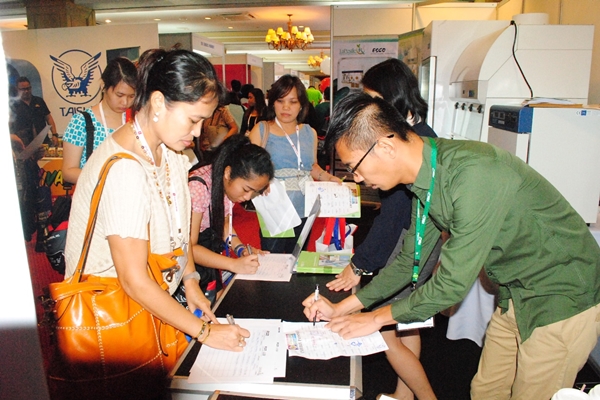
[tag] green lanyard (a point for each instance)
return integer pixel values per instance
(420, 222)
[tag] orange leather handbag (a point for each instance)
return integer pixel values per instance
(107, 344)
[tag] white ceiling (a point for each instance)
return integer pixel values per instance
(241, 25)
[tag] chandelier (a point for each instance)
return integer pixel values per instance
(292, 39)
(316, 61)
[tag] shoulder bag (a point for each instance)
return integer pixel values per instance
(107, 345)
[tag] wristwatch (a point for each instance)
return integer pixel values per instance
(357, 271)
(194, 275)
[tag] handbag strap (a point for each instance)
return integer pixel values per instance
(89, 131)
(197, 178)
(153, 267)
(266, 133)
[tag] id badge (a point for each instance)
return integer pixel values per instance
(428, 323)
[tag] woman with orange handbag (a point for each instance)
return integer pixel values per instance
(144, 212)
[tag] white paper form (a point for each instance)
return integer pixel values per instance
(263, 358)
(35, 144)
(319, 343)
(336, 200)
(276, 209)
(272, 268)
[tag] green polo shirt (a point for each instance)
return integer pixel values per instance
(502, 216)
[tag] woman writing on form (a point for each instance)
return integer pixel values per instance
(239, 172)
(146, 202)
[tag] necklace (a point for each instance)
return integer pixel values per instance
(169, 196)
(141, 139)
(104, 124)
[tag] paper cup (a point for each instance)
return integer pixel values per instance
(570, 394)
(595, 393)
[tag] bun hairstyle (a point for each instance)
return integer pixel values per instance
(180, 75)
(246, 160)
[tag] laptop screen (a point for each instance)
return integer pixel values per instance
(306, 229)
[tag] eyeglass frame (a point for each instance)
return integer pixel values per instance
(353, 170)
(25, 89)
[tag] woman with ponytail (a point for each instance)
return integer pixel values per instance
(239, 171)
(145, 207)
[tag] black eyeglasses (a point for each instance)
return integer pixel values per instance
(25, 89)
(353, 170)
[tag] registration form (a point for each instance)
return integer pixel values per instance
(263, 358)
(319, 343)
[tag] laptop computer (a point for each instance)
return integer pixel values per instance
(279, 267)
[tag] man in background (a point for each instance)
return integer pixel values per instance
(314, 95)
(30, 115)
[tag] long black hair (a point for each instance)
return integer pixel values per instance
(180, 75)
(259, 102)
(246, 160)
(397, 84)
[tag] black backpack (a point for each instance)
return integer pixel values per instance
(56, 238)
(58, 222)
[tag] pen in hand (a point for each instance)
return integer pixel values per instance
(316, 298)
(230, 319)
(249, 248)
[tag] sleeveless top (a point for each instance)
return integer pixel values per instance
(285, 162)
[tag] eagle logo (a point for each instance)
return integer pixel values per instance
(73, 76)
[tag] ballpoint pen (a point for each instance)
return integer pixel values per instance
(316, 298)
(230, 319)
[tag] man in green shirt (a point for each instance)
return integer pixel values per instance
(501, 215)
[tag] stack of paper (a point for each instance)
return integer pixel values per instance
(550, 102)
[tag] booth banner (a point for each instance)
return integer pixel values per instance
(354, 57)
(64, 65)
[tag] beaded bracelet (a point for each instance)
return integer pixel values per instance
(204, 324)
(207, 334)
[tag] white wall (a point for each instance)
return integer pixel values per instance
(454, 11)
(21, 369)
(566, 12)
(353, 21)
(37, 45)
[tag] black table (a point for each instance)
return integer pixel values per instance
(280, 300)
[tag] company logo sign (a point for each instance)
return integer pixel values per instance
(76, 76)
(354, 50)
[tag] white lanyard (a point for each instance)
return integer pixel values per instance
(230, 236)
(296, 150)
(104, 124)
(173, 194)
